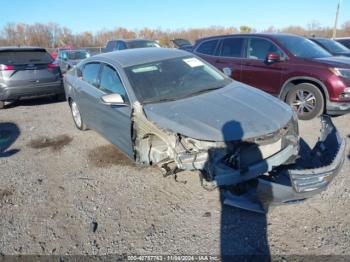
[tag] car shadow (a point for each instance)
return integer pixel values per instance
(9, 132)
(243, 234)
(36, 101)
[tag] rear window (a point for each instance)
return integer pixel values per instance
(345, 42)
(25, 57)
(208, 47)
(142, 44)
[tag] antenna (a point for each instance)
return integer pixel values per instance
(336, 20)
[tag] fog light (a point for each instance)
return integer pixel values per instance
(345, 94)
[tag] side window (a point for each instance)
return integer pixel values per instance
(111, 83)
(90, 73)
(121, 45)
(207, 47)
(232, 47)
(111, 45)
(259, 48)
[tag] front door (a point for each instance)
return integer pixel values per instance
(256, 71)
(114, 121)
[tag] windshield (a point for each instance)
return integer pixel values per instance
(141, 44)
(77, 55)
(173, 79)
(302, 47)
(332, 45)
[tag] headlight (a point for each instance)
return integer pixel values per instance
(343, 72)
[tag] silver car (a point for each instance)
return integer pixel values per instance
(27, 72)
(169, 108)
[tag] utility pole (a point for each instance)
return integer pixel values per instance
(336, 21)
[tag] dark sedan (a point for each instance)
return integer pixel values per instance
(169, 108)
(27, 72)
(332, 46)
(122, 44)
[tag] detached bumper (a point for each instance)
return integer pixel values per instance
(308, 176)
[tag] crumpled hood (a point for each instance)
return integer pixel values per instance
(234, 112)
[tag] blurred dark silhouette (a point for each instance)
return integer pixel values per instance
(9, 132)
(243, 233)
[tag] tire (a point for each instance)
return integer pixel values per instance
(78, 121)
(2, 104)
(307, 100)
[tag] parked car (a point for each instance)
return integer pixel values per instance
(290, 67)
(344, 41)
(54, 54)
(67, 59)
(168, 108)
(27, 72)
(183, 44)
(122, 44)
(332, 46)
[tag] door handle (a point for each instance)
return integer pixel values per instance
(219, 61)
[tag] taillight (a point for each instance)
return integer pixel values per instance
(52, 65)
(6, 67)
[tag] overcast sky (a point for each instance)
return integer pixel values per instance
(94, 15)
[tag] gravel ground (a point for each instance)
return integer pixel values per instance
(63, 191)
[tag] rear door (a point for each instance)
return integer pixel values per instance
(256, 71)
(225, 53)
(28, 67)
(87, 93)
(231, 51)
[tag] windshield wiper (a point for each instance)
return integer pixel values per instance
(205, 90)
(160, 100)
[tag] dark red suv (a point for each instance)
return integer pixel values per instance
(290, 67)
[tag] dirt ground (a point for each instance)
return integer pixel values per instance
(64, 191)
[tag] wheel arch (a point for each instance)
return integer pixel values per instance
(302, 79)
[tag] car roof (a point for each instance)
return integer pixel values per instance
(74, 50)
(137, 56)
(267, 35)
(21, 48)
(320, 38)
(133, 40)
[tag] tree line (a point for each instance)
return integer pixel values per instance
(53, 35)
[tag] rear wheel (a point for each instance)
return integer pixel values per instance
(77, 116)
(2, 104)
(307, 101)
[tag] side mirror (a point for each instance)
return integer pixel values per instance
(112, 99)
(227, 71)
(272, 58)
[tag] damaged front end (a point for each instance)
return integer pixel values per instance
(253, 174)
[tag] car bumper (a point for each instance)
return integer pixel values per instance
(307, 177)
(14, 93)
(338, 108)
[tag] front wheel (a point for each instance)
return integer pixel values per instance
(307, 101)
(78, 121)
